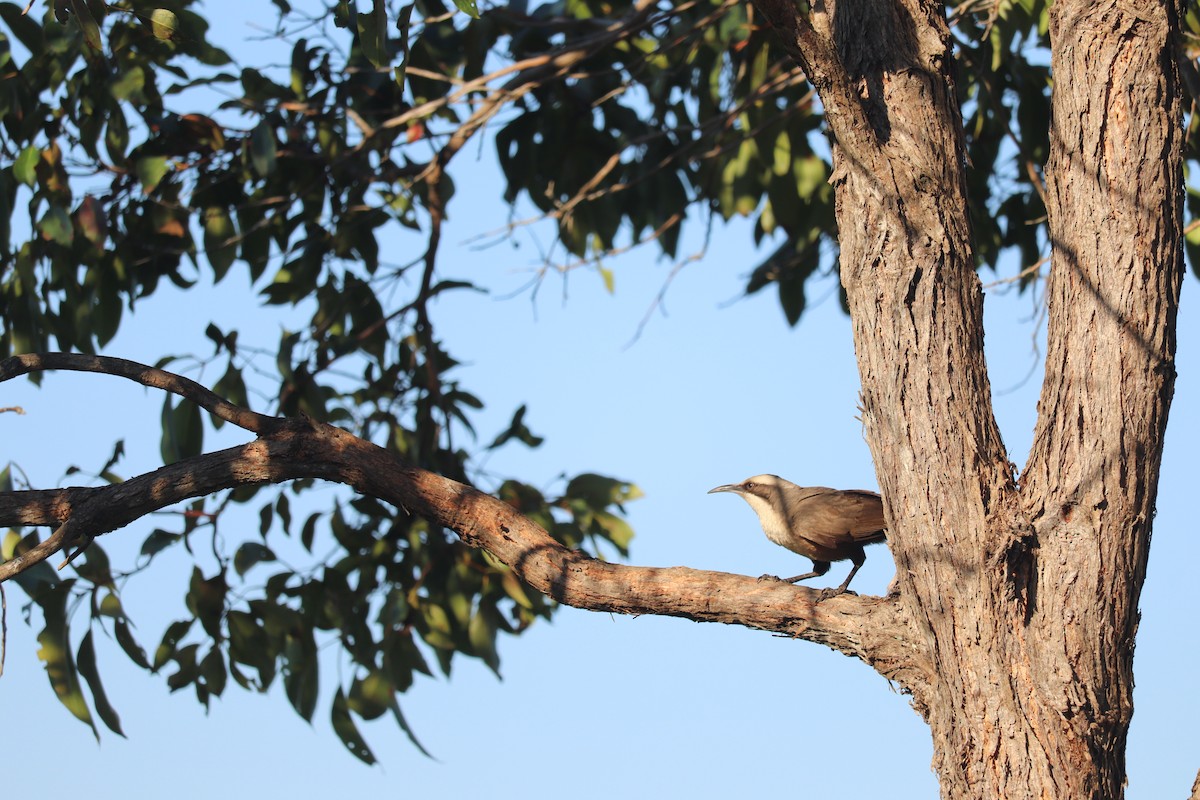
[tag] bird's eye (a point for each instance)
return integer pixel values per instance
(748, 485)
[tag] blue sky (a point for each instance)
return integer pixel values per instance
(591, 705)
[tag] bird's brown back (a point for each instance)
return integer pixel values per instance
(833, 519)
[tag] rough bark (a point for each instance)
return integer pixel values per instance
(1021, 704)
(1115, 194)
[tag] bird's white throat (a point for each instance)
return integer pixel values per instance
(773, 523)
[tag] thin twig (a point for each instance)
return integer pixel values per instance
(153, 377)
(1030, 270)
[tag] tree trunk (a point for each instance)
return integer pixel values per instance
(1019, 703)
(1115, 204)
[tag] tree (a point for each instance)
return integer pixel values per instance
(989, 566)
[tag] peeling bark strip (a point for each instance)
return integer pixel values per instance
(870, 628)
(1022, 704)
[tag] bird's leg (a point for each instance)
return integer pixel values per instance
(858, 560)
(819, 569)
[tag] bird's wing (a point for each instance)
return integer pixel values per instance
(852, 516)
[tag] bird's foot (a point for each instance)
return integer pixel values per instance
(774, 578)
(834, 592)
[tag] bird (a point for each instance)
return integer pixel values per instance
(820, 523)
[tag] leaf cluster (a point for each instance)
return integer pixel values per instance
(394, 596)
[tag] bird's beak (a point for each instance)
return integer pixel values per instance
(729, 487)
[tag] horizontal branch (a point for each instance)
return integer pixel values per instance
(873, 629)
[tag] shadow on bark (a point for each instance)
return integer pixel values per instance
(873, 37)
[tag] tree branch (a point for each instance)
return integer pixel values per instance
(873, 629)
(153, 377)
(812, 49)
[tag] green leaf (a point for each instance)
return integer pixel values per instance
(468, 7)
(183, 432)
(599, 491)
(517, 430)
(95, 567)
(782, 154)
(517, 590)
(86, 658)
(301, 674)
(89, 218)
(11, 539)
(249, 644)
(110, 606)
(167, 647)
(164, 24)
(219, 244)
(347, 731)
(150, 171)
(116, 134)
(283, 509)
(40, 581)
(481, 632)
(24, 165)
(309, 531)
(372, 34)
(262, 149)
(188, 670)
(343, 12)
(132, 649)
(56, 227)
(124, 87)
(401, 657)
(88, 24)
(403, 22)
(437, 626)
(277, 584)
(24, 28)
(55, 653)
(212, 668)
(811, 174)
(616, 530)
(206, 599)
(609, 279)
(791, 293)
(157, 541)
(403, 723)
(371, 696)
(249, 554)
(232, 387)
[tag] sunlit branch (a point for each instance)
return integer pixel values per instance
(871, 628)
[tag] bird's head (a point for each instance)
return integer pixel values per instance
(765, 494)
(764, 486)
